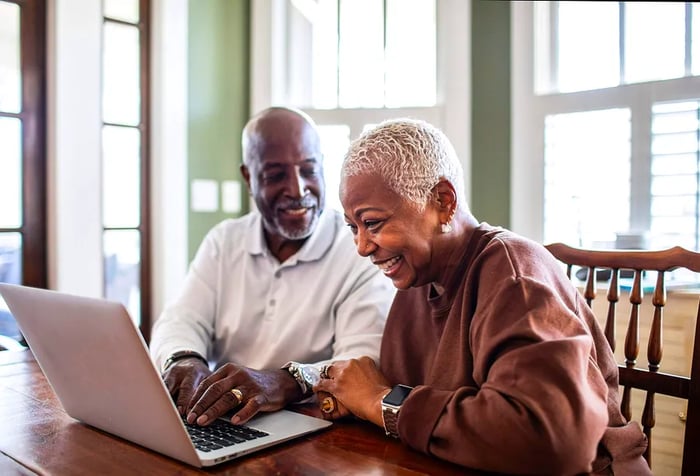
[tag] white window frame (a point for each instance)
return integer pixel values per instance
(529, 111)
(451, 114)
(74, 125)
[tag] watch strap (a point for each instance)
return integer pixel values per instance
(294, 369)
(391, 409)
(182, 354)
(390, 416)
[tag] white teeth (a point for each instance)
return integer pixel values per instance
(296, 211)
(388, 264)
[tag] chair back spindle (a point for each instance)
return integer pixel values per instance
(652, 380)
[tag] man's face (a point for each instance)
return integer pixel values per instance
(285, 176)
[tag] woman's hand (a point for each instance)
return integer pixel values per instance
(358, 386)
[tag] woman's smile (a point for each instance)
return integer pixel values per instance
(390, 266)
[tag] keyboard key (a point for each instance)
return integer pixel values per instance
(220, 434)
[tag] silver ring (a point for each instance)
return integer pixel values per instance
(238, 394)
(324, 370)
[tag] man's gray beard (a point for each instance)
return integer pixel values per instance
(299, 234)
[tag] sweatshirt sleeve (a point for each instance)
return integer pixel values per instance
(539, 403)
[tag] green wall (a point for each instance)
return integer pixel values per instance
(218, 72)
(490, 135)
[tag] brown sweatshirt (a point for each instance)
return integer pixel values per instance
(511, 371)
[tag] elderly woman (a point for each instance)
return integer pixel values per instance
(490, 358)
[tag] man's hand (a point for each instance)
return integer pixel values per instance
(182, 379)
(256, 390)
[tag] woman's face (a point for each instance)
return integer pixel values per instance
(390, 230)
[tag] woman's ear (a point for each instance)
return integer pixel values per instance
(447, 200)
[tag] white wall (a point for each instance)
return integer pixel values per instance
(169, 150)
(74, 124)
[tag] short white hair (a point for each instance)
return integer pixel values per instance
(412, 156)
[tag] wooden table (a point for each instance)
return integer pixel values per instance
(38, 437)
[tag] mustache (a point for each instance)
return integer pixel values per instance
(306, 202)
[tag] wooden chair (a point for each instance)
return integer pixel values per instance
(653, 380)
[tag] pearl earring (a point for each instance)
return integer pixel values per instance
(446, 227)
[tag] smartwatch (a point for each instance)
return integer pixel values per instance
(391, 405)
(182, 354)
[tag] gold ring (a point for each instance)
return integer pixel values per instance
(328, 405)
(238, 394)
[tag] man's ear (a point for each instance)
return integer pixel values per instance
(246, 175)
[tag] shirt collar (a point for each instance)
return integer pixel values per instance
(313, 249)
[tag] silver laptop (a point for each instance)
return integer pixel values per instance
(97, 362)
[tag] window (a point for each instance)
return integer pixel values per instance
(23, 157)
(125, 239)
(675, 172)
(356, 54)
(361, 53)
(354, 63)
(606, 123)
(584, 148)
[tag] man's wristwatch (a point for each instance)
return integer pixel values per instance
(306, 376)
(391, 405)
(182, 354)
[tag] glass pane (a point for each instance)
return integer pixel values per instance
(674, 185)
(674, 174)
(674, 143)
(695, 40)
(335, 140)
(587, 153)
(121, 177)
(675, 122)
(361, 66)
(10, 73)
(674, 164)
(588, 46)
(410, 53)
(121, 95)
(677, 225)
(11, 176)
(324, 89)
(10, 272)
(673, 205)
(654, 41)
(126, 10)
(122, 250)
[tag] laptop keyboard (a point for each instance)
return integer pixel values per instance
(220, 434)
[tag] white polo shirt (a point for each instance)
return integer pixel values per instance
(239, 304)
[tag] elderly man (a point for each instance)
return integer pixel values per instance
(273, 295)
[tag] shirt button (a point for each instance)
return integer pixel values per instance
(272, 302)
(278, 274)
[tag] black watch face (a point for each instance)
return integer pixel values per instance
(397, 395)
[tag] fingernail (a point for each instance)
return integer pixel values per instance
(179, 410)
(235, 420)
(202, 420)
(191, 418)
